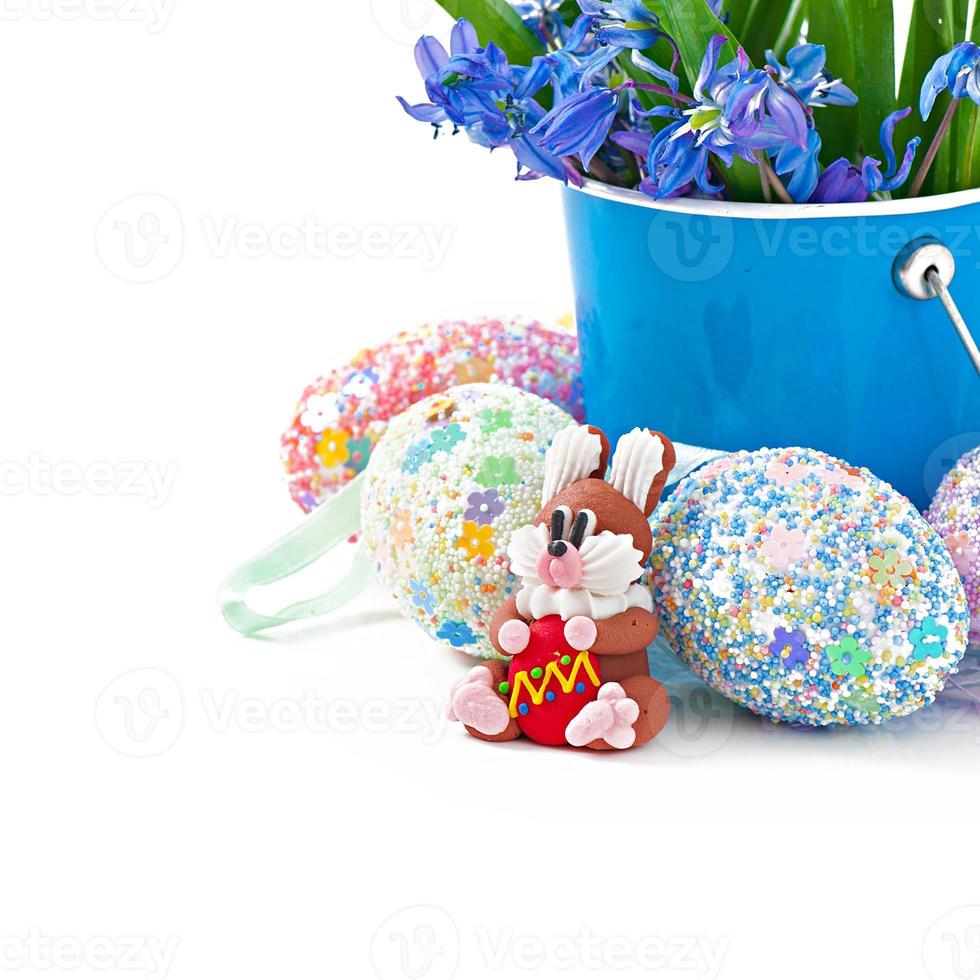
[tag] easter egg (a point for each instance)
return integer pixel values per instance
(955, 514)
(550, 682)
(807, 590)
(452, 479)
(341, 416)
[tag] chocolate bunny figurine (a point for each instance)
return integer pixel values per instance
(578, 629)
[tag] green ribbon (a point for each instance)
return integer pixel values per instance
(329, 525)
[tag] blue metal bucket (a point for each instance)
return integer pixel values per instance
(737, 326)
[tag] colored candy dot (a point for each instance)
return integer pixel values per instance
(523, 709)
(537, 672)
(504, 687)
(580, 688)
(550, 696)
(566, 660)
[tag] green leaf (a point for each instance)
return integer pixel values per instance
(965, 160)
(498, 21)
(838, 125)
(764, 24)
(936, 26)
(692, 25)
(870, 27)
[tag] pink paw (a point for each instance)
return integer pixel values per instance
(609, 717)
(475, 703)
(580, 632)
(514, 636)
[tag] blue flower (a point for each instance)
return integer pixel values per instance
(443, 440)
(676, 163)
(457, 634)
(803, 164)
(580, 124)
(421, 596)
(737, 111)
(842, 182)
(806, 73)
(416, 455)
(544, 18)
(475, 89)
(958, 71)
(929, 638)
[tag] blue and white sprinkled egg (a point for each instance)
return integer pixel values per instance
(807, 590)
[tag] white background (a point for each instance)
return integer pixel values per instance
(195, 807)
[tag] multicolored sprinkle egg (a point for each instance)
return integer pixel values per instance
(451, 480)
(341, 416)
(807, 590)
(955, 514)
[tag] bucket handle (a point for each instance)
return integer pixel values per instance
(924, 270)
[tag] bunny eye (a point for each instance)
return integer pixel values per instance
(582, 527)
(561, 518)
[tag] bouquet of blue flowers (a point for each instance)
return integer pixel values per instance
(748, 100)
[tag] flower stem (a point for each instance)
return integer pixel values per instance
(549, 38)
(608, 176)
(774, 182)
(660, 90)
(764, 179)
(930, 159)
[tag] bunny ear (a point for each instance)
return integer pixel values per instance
(576, 453)
(640, 467)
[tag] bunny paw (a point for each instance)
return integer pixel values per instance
(475, 703)
(610, 717)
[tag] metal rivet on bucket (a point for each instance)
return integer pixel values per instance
(924, 270)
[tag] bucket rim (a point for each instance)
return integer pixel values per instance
(778, 212)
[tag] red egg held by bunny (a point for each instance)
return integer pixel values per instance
(550, 682)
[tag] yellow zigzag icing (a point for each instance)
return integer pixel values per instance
(521, 679)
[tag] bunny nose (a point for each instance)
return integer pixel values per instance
(557, 548)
